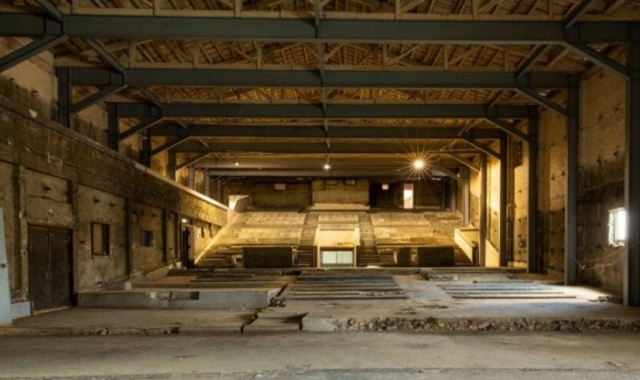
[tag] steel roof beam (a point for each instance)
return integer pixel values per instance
(81, 76)
(314, 148)
(304, 30)
(332, 111)
(294, 132)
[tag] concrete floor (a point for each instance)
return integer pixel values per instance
(369, 355)
(425, 300)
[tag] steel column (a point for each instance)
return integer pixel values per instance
(171, 164)
(466, 196)
(145, 152)
(112, 125)
(482, 229)
(571, 193)
(534, 264)
(192, 176)
(64, 97)
(207, 183)
(504, 200)
(632, 180)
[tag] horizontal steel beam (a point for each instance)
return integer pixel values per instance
(333, 173)
(295, 132)
(304, 30)
(315, 148)
(332, 111)
(82, 76)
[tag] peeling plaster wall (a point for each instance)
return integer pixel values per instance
(601, 161)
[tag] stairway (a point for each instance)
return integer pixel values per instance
(306, 247)
(368, 250)
(461, 258)
(220, 255)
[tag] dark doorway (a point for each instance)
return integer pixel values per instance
(186, 247)
(50, 272)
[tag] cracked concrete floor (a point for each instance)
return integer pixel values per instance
(326, 356)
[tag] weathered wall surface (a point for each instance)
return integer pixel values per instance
(51, 176)
(105, 208)
(552, 164)
(429, 193)
(337, 191)
(264, 194)
(390, 198)
(601, 160)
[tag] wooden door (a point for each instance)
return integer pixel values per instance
(50, 277)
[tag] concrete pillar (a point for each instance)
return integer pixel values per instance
(571, 193)
(632, 177)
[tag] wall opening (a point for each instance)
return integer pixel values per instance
(617, 227)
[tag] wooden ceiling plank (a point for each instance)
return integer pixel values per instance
(613, 7)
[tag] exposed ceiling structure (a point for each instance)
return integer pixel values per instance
(290, 84)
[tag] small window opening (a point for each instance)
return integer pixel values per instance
(617, 227)
(100, 239)
(147, 238)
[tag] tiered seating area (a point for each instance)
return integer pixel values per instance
(269, 228)
(339, 218)
(381, 234)
(412, 229)
(254, 229)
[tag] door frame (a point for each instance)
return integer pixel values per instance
(73, 294)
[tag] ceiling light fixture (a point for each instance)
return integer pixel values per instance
(418, 164)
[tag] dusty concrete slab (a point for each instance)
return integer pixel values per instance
(427, 308)
(160, 298)
(79, 321)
